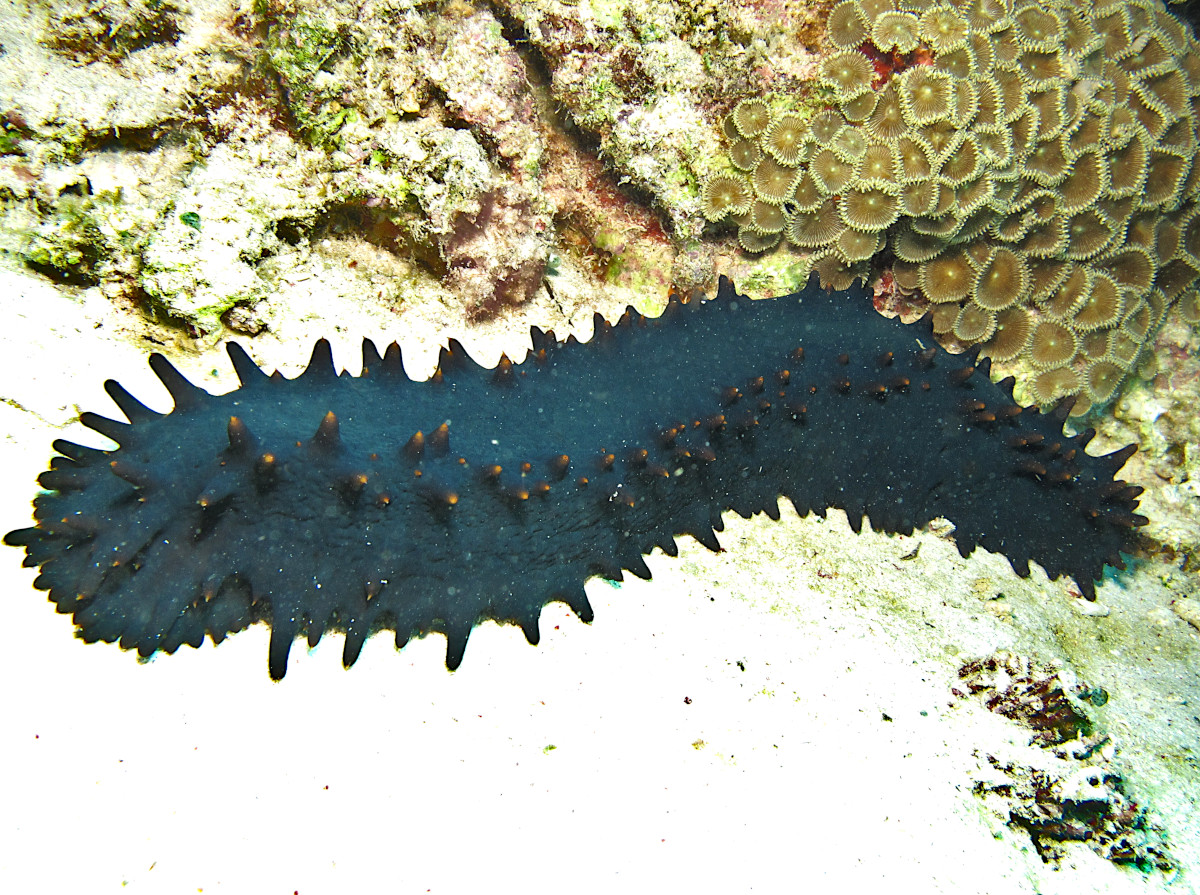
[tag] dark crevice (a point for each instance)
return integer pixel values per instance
(377, 227)
(290, 232)
(75, 277)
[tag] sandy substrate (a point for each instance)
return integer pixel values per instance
(772, 718)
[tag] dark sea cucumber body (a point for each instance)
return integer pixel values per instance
(375, 502)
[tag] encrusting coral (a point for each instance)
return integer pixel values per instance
(1026, 166)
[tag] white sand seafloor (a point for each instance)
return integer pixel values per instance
(775, 718)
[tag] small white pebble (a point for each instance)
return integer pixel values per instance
(1093, 610)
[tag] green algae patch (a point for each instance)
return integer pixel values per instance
(304, 52)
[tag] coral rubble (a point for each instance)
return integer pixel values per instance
(1066, 787)
(1026, 166)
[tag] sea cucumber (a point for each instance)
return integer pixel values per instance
(356, 504)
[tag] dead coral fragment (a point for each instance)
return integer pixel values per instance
(1073, 795)
(1027, 692)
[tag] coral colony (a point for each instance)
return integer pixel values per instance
(1026, 167)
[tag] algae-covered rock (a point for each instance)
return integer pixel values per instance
(202, 256)
(645, 78)
(466, 143)
(91, 30)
